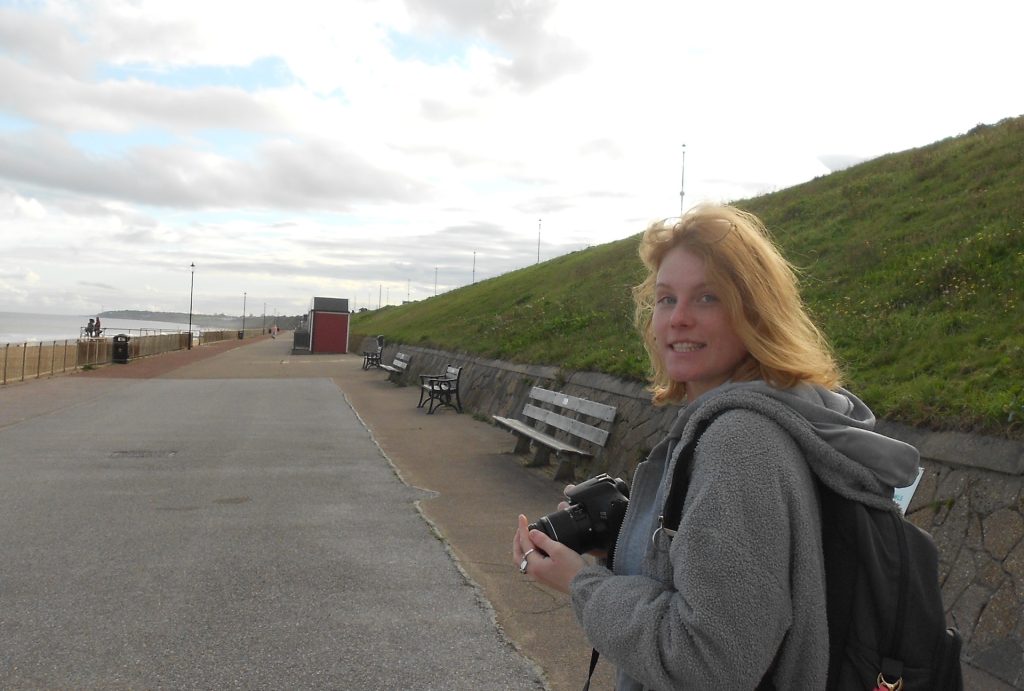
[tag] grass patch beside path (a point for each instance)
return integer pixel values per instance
(913, 264)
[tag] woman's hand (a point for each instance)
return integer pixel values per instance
(550, 563)
(563, 505)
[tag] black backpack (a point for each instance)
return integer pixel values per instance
(886, 624)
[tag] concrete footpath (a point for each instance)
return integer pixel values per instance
(236, 516)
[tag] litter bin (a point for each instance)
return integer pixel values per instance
(241, 335)
(121, 349)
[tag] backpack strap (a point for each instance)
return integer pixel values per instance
(672, 509)
(672, 514)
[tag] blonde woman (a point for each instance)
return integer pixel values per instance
(736, 599)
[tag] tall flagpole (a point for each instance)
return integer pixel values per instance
(682, 178)
(538, 240)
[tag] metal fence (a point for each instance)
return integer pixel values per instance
(32, 360)
(214, 336)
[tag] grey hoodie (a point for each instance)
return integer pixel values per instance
(742, 583)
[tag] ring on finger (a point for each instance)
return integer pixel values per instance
(524, 563)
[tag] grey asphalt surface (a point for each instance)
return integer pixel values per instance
(259, 520)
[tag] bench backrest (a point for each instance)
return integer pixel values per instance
(452, 372)
(581, 406)
(401, 360)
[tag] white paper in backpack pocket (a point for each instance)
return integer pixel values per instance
(903, 495)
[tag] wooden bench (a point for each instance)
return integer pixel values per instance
(397, 368)
(437, 390)
(547, 421)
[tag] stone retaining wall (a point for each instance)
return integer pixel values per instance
(971, 497)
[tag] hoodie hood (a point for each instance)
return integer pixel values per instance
(835, 429)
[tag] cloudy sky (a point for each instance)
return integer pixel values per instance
(388, 149)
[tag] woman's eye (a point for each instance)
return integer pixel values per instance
(707, 298)
(666, 300)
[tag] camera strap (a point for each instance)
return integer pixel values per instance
(594, 655)
(593, 665)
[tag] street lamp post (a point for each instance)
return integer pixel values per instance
(191, 287)
(243, 314)
(538, 240)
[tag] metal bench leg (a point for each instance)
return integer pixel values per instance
(440, 397)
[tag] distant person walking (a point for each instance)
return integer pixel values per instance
(97, 328)
(90, 328)
(735, 597)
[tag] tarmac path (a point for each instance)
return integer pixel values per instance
(235, 516)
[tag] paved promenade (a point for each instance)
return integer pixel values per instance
(236, 516)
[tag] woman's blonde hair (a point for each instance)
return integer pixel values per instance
(759, 290)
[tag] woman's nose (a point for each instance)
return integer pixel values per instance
(681, 315)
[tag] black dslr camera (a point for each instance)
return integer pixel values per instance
(593, 517)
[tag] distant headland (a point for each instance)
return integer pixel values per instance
(206, 321)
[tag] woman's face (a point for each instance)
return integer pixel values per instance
(694, 337)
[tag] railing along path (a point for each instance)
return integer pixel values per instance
(32, 359)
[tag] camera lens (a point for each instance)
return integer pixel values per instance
(570, 526)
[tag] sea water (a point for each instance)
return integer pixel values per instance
(20, 327)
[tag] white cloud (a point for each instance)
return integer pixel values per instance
(353, 148)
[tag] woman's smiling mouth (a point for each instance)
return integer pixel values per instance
(686, 347)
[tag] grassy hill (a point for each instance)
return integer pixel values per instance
(913, 264)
